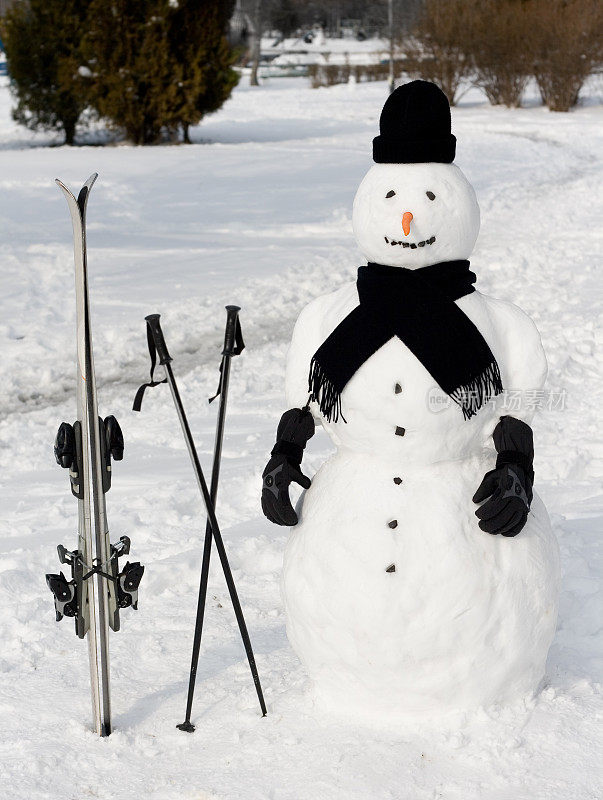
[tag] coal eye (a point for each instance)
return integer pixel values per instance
(431, 195)
(391, 193)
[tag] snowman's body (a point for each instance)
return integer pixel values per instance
(463, 619)
(396, 601)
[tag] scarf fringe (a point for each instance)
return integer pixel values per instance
(324, 392)
(471, 396)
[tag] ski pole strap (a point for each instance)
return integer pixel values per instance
(233, 341)
(142, 389)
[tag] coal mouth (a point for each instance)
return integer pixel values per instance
(412, 245)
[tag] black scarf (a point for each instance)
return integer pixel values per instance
(418, 307)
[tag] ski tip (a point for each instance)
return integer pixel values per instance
(88, 185)
(91, 180)
(186, 726)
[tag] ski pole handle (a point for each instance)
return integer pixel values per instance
(230, 335)
(157, 334)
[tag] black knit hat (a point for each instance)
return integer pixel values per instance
(415, 126)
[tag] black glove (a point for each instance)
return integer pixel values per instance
(294, 430)
(509, 485)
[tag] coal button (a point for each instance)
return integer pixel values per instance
(397, 481)
(397, 388)
(393, 523)
(391, 568)
(400, 431)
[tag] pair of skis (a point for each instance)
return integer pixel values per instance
(87, 449)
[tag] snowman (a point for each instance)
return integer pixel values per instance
(421, 575)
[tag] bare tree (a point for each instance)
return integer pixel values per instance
(438, 51)
(390, 25)
(567, 40)
(255, 31)
(500, 44)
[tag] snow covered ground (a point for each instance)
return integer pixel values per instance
(258, 213)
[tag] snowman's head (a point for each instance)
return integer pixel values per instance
(415, 207)
(413, 215)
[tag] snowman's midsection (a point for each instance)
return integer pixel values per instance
(359, 488)
(419, 518)
(392, 408)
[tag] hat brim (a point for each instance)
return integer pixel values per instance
(394, 151)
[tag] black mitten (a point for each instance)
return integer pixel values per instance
(508, 487)
(294, 430)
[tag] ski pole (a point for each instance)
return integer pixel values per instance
(158, 346)
(233, 345)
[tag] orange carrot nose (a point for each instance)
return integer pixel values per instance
(406, 220)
